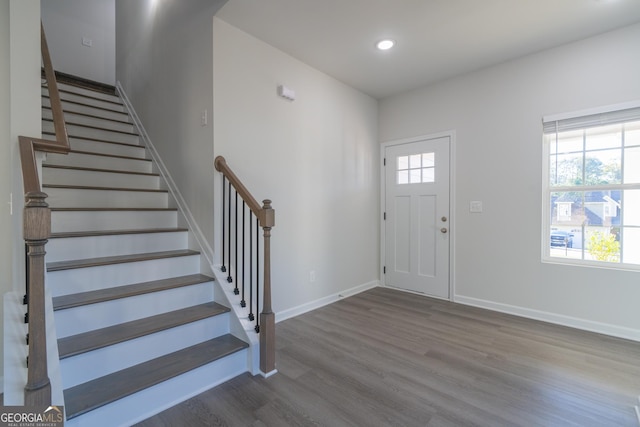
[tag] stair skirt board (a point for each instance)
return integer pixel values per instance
(104, 361)
(86, 318)
(110, 219)
(150, 401)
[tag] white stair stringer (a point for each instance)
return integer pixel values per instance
(117, 258)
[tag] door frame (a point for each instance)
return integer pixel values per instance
(452, 205)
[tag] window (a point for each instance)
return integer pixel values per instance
(416, 168)
(592, 188)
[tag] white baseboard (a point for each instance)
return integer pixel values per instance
(321, 302)
(559, 319)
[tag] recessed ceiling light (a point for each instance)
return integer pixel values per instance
(385, 44)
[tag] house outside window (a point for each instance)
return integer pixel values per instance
(591, 187)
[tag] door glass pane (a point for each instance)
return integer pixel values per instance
(414, 176)
(403, 177)
(428, 160)
(415, 161)
(428, 175)
(403, 162)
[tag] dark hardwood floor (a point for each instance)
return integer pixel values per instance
(389, 358)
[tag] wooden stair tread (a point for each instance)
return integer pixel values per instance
(72, 123)
(93, 116)
(54, 209)
(76, 102)
(120, 259)
(100, 338)
(91, 153)
(101, 295)
(84, 83)
(115, 232)
(44, 165)
(86, 138)
(88, 187)
(99, 392)
(117, 102)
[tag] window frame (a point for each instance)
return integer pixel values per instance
(548, 189)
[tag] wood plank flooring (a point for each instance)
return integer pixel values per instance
(389, 358)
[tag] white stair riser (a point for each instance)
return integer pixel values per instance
(73, 107)
(88, 92)
(86, 318)
(72, 97)
(70, 248)
(95, 364)
(76, 280)
(66, 221)
(82, 119)
(88, 132)
(57, 176)
(99, 162)
(78, 198)
(108, 148)
(148, 402)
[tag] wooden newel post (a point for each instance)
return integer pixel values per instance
(37, 229)
(267, 317)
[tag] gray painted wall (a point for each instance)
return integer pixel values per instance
(19, 115)
(315, 157)
(164, 62)
(67, 22)
(497, 114)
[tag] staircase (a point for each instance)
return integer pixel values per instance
(137, 325)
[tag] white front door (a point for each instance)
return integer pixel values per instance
(417, 216)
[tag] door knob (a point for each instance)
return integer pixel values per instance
(443, 230)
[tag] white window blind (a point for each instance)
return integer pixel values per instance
(552, 125)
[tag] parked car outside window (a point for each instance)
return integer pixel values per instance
(561, 238)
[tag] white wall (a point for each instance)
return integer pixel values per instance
(164, 62)
(19, 115)
(315, 157)
(496, 113)
(66, 22)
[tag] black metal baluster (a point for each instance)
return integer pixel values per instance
(236, 291)
(224, 201)
(251, 267)
(25, 300)
(229, 278)
(257, 275)
(243, 303)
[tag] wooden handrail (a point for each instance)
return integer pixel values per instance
(36, 231)
(266, 218)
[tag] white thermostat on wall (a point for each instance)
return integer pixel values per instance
(286, 93)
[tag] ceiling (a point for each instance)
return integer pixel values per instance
(436, 39)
